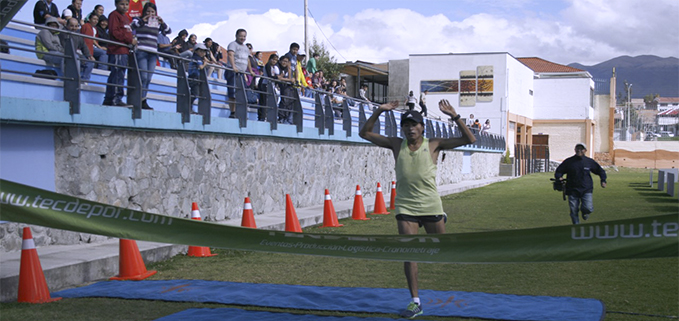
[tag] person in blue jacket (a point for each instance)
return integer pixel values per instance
(579, 185)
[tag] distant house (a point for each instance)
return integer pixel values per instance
(668, 114)
(666, 103)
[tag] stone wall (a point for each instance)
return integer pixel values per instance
(164, 172)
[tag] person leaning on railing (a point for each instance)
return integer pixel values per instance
(119, 31)
(287, 90)
(197, 64)
(270, 71)
(147, 27)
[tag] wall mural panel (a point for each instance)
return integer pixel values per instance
(440, 86)
(473, 86)
(484, 75)
(467, 88)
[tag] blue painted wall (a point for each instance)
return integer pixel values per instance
(27, 155)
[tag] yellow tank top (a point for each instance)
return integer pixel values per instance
(416, 191)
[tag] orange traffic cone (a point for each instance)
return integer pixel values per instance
(380, 208)
(329, 214)
(392, 202)
(131, 264)
(291, 221)
(198, 251)
(32, 283)
(248, 216)
(358, 213)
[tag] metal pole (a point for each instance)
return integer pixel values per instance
(629, 106)
(306, 40)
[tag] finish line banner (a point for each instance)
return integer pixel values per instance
(647, 237)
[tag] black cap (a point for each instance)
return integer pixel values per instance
(412, 115)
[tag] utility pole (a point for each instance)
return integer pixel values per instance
(629, 106)
(306, 40)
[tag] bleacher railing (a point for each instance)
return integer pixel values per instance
(350, 115)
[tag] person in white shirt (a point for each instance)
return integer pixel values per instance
(423, 102)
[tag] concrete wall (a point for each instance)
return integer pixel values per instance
(519, 83)
(563, 98)
(562, 137)
(601, 128)
(448, 67)
(163, 172)
(653, 154)
(398, 80)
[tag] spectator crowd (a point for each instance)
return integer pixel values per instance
(147, 35)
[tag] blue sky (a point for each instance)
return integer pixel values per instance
(562, 31)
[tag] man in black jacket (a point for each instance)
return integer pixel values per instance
(579, 184)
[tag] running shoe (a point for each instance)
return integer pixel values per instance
(412, 311)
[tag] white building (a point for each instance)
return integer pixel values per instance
(527, 100)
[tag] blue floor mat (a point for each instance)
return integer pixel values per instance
(231, 314)
(377, 300)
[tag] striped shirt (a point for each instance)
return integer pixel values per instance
(147, 35)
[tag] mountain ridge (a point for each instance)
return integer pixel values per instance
(648, 74)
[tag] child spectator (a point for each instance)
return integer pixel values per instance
(270, 71)
(197, 64)
(147, 27)
(119, 31)
(301, 75)
(292, 57)
(287, 90)
(311, 64)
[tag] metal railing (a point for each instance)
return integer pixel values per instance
(351, 113)
(531, 159)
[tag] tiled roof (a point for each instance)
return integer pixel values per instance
(668, 100)
(669, 112)
(541, 65)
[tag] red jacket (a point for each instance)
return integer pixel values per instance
(88, 30)
(120, 31)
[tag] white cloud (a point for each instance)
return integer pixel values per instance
(588, 31)
(628, 26)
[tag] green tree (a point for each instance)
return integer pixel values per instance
(326, 62)
(650, 102)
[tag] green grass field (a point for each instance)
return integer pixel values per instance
(631, 289)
